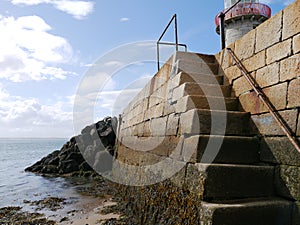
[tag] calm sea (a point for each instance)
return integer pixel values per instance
(17, 185)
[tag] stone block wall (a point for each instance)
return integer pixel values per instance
(155, 122)
(271, 54)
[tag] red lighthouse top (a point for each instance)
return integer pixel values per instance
(246, 9)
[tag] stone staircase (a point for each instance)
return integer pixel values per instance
(236, 188)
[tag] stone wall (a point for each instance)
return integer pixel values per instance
(159, 123)
(271, 53)
(155, 123)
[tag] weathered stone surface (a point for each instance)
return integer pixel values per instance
(294, 93)
(291, 20)
(290, 68)
(201, 89)
(232, 73)
(172, 125)
(183, 77)
(168, 108)
(298, 126)
(266, 124)
(154, 99)
(241, 85)
(256, 62)
(215, 122)
(129, 156)
(287, 181)
(296, 214)
(196, 67)
(166, 146)
(296, 44)
(244, 47)
(206, 102)
(155, 111)
(224, 58)
(279, 51)
(140, 129)
(268, 75)
(249, 181)
(277, 95)
(147, 128)
(269, 33)
(195, 180)
(159, 126)
(219, 149)
(272, 211)
(251, 103)
(279, 150)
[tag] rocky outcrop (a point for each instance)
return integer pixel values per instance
(82, 154)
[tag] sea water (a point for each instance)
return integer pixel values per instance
(18, 186)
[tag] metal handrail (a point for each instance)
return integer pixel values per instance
(222, 24)
(262, 96)
(174, 18)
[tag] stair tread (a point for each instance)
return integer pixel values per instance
(248, 202)
(206, 165)
(191, 56)
(203, 96)
(264, 211)
(204, 84)
(221, 111)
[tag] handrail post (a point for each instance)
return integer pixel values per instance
(222, 24)
(176, 33)
(222, 29)
(174, 18)
(157, 49)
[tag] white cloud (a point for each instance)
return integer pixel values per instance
(28, 117)
(78, 9)
(124, 19)
(29, 52)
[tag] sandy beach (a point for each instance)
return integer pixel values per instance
(94, 204)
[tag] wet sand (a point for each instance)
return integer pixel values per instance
(93, 204)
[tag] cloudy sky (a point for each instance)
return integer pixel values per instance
(55, 51)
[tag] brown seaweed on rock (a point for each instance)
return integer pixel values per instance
(81, 153)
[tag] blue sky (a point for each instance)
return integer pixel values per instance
(49, 46)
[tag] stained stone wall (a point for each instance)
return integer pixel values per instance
(271, 53)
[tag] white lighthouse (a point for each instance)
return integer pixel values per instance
(241, 18)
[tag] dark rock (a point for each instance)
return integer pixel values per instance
(89, 154)
(49, 169)
(103, 162)
(79, 153)
(86, 139)
(54, 161)
(76, 156)
(85, 167)
(68, 166)
(87, 129)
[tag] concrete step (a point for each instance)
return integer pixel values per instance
(201, 121)
(195, 67)
(233, 181)
(221, 149)
(194, 57)
(183, 77)
(272, 211)
(201, 89)
(202, 102)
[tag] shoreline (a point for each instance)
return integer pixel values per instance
(95, 204)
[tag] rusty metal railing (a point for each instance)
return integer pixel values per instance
(222, 24)
(262, 96)
(174, 18)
